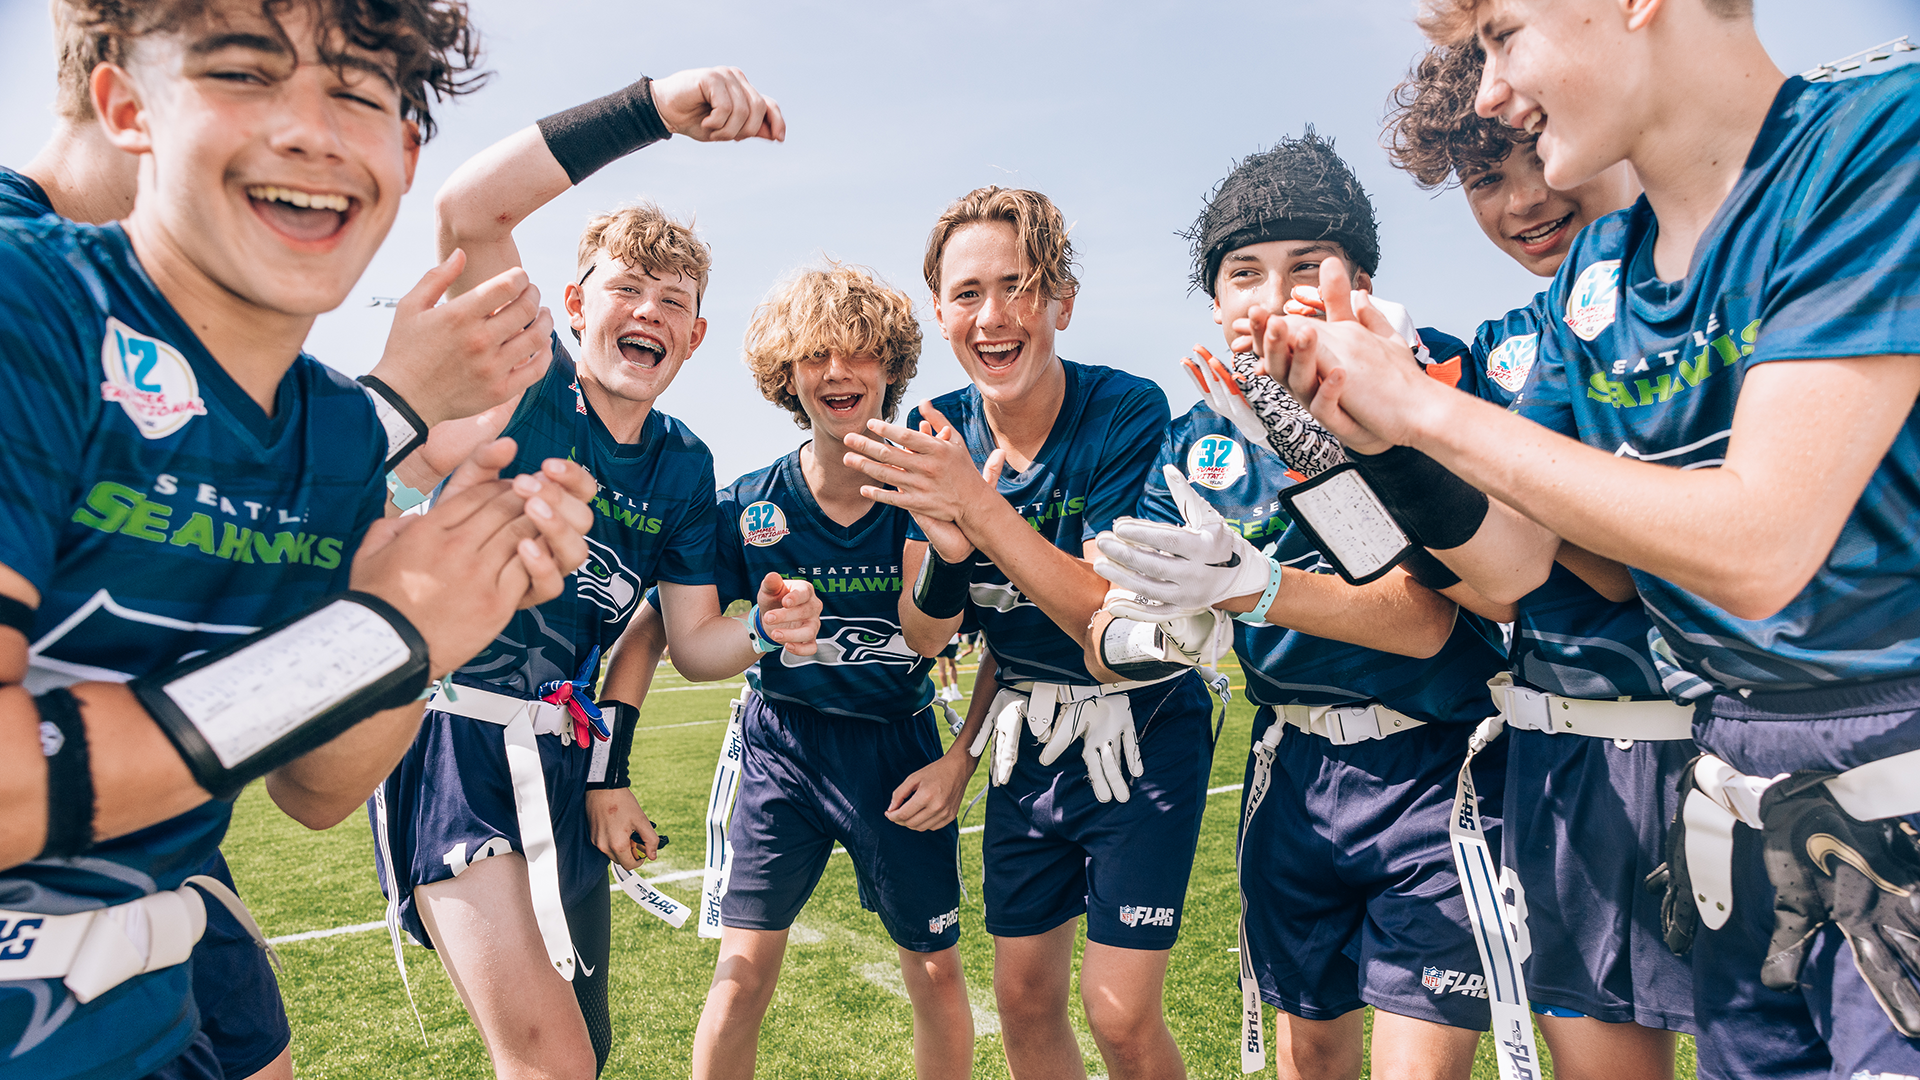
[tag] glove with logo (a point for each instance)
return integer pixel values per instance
(1004, 716)
(1106, 723)
(1264, 412)
(1194, 566)
(1679, 916)
(1863, 876)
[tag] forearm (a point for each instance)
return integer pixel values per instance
(1061, 585)
(924, 634)
(138, 777)
(321, 787)
(1392, 614)
(488, 196)
(977, 705)
(1604, 576)
(634, 658)
(712, 649)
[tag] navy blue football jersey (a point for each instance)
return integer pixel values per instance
(652, 522)
(1089, 472)
(1814, 254)
(1285, 667)
(769, 521)
(1567, 639)
(160, 512)
(21, 195)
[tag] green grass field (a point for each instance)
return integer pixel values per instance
(840, 1011)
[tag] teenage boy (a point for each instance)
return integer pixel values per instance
(828, 738)
(442, 354)
(1382, 684)
(1768, 528)
(1113, 839)
(1600, 791)
(494, 832)
(217, 480)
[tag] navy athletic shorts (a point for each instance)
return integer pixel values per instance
(1595, 827)
(1351, 894)
(450, 804)
(1053, 852)
(808, 779)
(197, 1062)
(1832, 1026)
(241, 1013)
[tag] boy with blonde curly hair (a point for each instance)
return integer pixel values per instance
(832, 740)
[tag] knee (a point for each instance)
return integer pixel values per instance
(741, 986)
(1125, 1029)
(937, 975)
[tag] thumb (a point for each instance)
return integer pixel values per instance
(773, 587)
(482, 465)
(929, 414)
(433, 285)
(996, 460)
(1336, 290)
(1369, 315)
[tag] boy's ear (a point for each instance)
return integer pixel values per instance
(1640, 13)
(411, 133)
(123, 116)
(1363, 280)
(1218, 318)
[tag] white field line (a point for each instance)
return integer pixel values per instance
(657, 880)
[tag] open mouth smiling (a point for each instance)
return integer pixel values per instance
(998, 356)
(642, 350)
(303, 216)
(841, 404)
(1542, 237)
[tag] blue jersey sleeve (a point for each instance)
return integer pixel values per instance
(48, 400)
(1156, 502)
(1137, 427)
(688, 558)
(1846, 277)
(730, 561)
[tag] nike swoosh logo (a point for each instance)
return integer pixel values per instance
(1822, 846)
(1232, 561)
(586, 969)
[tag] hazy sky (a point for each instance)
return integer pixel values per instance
(1125, 114)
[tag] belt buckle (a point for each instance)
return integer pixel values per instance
(1529, 709)
(1354, 725)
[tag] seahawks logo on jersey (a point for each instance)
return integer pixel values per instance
(606, 581)
(999, 597)
(856, 641)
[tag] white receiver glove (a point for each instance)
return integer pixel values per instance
(1002, 728)
(1197, 637)
(1222, 393)
(1106, 723)
(1191, 567)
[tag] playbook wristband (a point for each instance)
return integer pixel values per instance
(406, 432)
(940, 592)
(240, 712)
(1438, 508)
(587, 138)
(1137, 651)
(70, 803)
(1422, 567)
(622, 719)
(18, 615)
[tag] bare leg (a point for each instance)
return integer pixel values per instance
(1409, 1049)
(1121, 989)
(482, 924)
(1032, 977)
(1587, 1049)
(942, 1022)
(1318, 1049)
(727, 1042)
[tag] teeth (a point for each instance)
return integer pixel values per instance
(643, 343)
(305, 200)
(1535, 121)
(1008, 346)
(1541, 232)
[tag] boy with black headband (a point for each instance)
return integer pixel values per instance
(1348, 883)
(1112, 838)
(1769, 529)
(217, 480)
(494, 832)
(1600, 791)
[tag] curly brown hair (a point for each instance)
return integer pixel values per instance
(434, 45)
(1432, 131)
(840, 308)
(1038, 228)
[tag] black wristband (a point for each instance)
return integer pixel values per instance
(1438, 508)
(940, 592)
(17, 615)
(587, 138)
(70, 806)
(622, 719)
(1422, 567)
(397, 447)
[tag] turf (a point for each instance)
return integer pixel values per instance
(840, 1010)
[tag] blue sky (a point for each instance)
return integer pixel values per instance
(1125, 114)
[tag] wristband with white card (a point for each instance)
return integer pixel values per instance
(1350, 525)
(240, 712)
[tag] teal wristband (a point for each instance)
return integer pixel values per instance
(1258, 616)
(757, 633)
(404, 497)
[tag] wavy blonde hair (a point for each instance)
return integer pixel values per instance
(837, 308)
(1038, 228)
